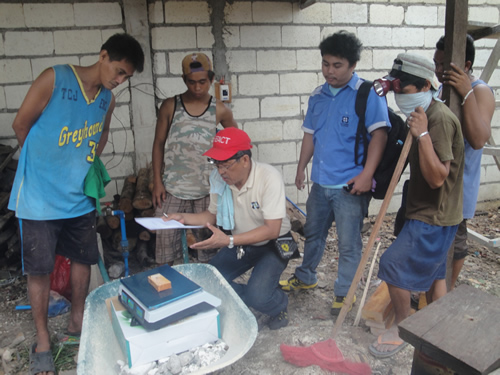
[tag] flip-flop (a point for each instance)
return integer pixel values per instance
(41, 361)
(378, 354)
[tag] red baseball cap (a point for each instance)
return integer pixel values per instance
(227, 143)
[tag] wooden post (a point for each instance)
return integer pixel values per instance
(454, 51)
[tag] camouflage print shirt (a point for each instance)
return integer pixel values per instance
(186, 170)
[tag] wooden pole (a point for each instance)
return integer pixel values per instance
(455, 40)
(374, 233)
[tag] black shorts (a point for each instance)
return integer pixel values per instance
(73, 238)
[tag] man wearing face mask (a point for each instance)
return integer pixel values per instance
(416, 260)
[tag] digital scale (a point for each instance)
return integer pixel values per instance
(153, 309)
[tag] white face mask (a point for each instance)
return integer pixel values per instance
(408, 102)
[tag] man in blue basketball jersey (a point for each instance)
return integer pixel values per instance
(62, 125)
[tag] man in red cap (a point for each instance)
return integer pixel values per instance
(247, 199)
(188, 122)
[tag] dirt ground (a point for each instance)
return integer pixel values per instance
(310, 320)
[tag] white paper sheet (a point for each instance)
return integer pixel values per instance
(157, 223)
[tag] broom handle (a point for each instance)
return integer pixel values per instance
(374, 233)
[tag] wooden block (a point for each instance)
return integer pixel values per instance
(159, 282)
(422, 301)
(379, 305)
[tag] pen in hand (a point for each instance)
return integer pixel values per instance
(164, 214)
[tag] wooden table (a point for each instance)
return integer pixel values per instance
(460, 331)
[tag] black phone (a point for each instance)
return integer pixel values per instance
(349, 187)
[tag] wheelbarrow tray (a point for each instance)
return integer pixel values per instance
(99, 348)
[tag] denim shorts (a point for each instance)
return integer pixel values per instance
(73, 238)
(418, 256)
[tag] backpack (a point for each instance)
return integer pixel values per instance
(395, 140)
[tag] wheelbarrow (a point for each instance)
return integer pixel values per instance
(99, 348)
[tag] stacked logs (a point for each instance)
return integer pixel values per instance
(135, 200)
(10, 253)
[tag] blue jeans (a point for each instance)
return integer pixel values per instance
(323, 207)
(261, 292)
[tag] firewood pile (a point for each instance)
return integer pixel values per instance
(135, 200)
(10, 253)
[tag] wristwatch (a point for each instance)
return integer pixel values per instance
(231, 242)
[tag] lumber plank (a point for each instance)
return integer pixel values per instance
(379, 305)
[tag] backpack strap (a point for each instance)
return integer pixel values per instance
(360, 107)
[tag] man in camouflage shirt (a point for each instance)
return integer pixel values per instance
(188, 122)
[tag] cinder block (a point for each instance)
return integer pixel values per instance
(168, 87)
(156, 12)
(492, 174)
(3, 103)
(484, 14)
(376, 36)
(15, 95)
(167, 38)
(98, 14)
(15, 71)
(271, 12)
(297, 83)
(408, 37)
(260, 36)
(432, 35)
(488, 192)
(110, 189)
(11, 16)
(386, 14)
(2, 49)
(301, 36)
(204, 37)
(276, 60)
(123, 141)
(349, 13)
(195, 12)
(238, 12)
(77, 41)
(121, 118)
(122, 93)
(284, 106)
(231, 36)
(28, 43)
(264, 131)
(383, 59)
(320, 13)
(245, 108)
(6, 119)
(366, 61)
(308, 59)
(292, 129)
(40, 64)
(49, 15)
(289, 173)
(159, 63)
(258, 84)
(241, 61)
(277, 153)
(421, 15)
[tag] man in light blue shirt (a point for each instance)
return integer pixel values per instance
(342, 184)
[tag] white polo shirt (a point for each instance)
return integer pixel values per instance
(262, 197)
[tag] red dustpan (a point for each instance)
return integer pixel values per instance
(324, 354)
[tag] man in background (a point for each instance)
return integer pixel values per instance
(187, 123)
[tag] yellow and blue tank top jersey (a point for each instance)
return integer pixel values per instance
(58, 152)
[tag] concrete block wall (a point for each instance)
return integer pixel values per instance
(267, 50)
(272, 61)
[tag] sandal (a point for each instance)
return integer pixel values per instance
(399, 345)
(41, 361)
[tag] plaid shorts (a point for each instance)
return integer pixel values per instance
(168, 242)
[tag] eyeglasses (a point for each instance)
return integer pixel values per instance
(222, 166)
